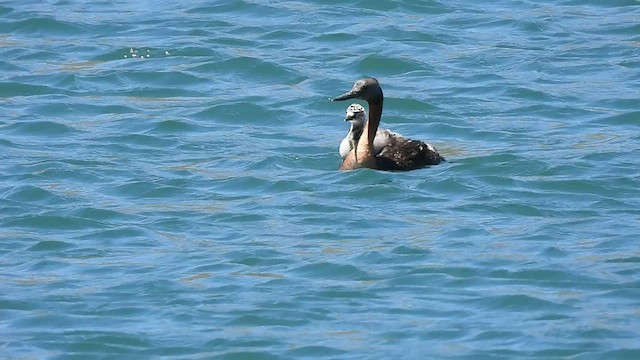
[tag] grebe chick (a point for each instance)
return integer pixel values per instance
(400, 154)
(357, 116)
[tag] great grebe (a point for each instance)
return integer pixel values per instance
(399, 153)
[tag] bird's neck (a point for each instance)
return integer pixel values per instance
(365, 155)
(356, 131)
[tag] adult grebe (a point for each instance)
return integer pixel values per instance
(357, 116)
(399, 153)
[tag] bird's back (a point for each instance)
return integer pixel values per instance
(402, 154)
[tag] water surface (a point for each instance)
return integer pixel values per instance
(168, 182)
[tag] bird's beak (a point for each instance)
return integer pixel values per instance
(346, 96)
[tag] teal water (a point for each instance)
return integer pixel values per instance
(168, 182)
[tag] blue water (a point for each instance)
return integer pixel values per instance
(169, 183)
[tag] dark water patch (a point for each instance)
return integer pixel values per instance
(27, 56)
(33, 194)
(233, 42)
(253, 258)
(449, 334)
(94, 340)
(50, 246)
(259, 261)
(17, 305)
(540, 26)
(10, 67)
(414, 110)
(602, 157)
(163, 349)
(174, 126)
(600, 333)
(257, 70)
(12, 209)
(520, 303)
(242, 355)
(553, 277)
(316, 209)
(350, 295)
(553, 317)
(631, 259)
(387, 66)
(259, 320)
(380, 7)
(141, 140)
(364, 177)
(5, 10)
(15, 89)
(51, 222)
(626, 292)
(536, 113)
(240, 343)
(629, 353)
(315, 351)
(455, 272)
(45, 26)
(553, 251)
(466, 232)
(427, 8)
(47, 266)
(119, 233)
(520, 209)
(159, 79)
(288, 35)
(200, 52)
(41, 319)
(332, 271)
(234, 113)
(291, 159)
(148, 190)
(240, 187)
(69, 173)
(596, 3)
(498, 335)
(578, 186)
(627, 119)
(410, 250)
(150, 92)
(165, 192)
(393, 336)
(337, 37)
(61, 109)
(631, 64)
(208, 67)
(450, 187)
(103, 83)
(529, 94)
(620, 105)
(239, 7)
(556, 352)
(41, 128)
(240, 218)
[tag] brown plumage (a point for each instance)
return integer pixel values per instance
(402, 154)
(399, 154)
